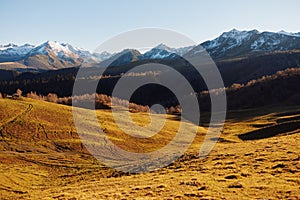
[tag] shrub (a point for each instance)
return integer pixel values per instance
(101, 101)
(52, 98)
(19, 92)
(174, 110)
(33, 95)
(65, 101)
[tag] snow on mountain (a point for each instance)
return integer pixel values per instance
(51, 55)
(159, 52)
(87, 55)
(102, 56)
(7, 46)
(229, 44)
(162, 51)
(12, 50)
(54, 47)
(289, 34)
(280, 41)
(228, 40)
(237, 36)
(267, 41)
(239, 43)
(78, 51)
(162, 46)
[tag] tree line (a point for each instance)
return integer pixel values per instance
(281, 88)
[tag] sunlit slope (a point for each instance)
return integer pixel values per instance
(36, 126)
(42, 157)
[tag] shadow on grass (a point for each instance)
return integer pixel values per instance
(287, 113)
(271, 131)
(288, 119)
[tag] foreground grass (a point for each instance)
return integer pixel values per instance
(42, 158)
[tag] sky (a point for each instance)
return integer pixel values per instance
(89, 23)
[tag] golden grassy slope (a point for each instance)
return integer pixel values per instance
(42, 158)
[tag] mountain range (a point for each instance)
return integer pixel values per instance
(52, 55)
(242, 57)
(244, 43)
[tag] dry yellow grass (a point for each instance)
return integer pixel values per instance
(42, 158)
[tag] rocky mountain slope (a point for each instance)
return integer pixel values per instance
(229, 45)
(244, 43)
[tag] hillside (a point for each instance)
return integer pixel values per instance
(281, 89)
(272, 88)
(41, 156)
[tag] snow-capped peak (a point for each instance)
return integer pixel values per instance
(240, 43)
(162, 46)
(58, 49)
(228, 40)
(282, 32)
(13, 50)
(63, 50)
(162, 51)
(105, 53)
(11, 46)
(88, 55)
(238, 36)
(233, 42)
(75, 49)
(7, 46)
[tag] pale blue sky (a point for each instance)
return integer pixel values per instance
(89, 23)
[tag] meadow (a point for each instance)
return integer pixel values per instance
(42, 157)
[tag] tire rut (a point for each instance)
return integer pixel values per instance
(15, 119)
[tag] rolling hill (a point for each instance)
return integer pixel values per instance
(42, 156)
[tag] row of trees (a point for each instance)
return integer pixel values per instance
(101, 101)
(281, 88)
(17, 94)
